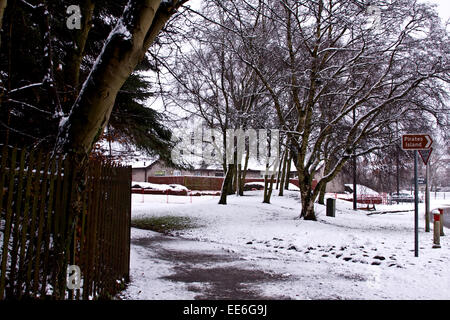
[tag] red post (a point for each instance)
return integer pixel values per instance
(436, 230)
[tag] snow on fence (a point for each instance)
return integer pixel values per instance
(202, 183)
(48, 224)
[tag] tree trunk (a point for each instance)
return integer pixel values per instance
(3, 4)
(323, 188)
(308, 206)
(225, 185)
(124, 49)
(308, 194)
(244, 174)
(268, 187)
(288, 170)
(322, 194)
(279, 170)
(74, 58)
(236, 179)
(231, 187)
(233, 183)
(283, 175)
(239, 180)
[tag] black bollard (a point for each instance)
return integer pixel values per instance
(331, 207)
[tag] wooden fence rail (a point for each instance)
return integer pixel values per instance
(48, 222)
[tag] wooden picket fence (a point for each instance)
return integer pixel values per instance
(48, 222)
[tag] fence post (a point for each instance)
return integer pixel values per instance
(41, 238)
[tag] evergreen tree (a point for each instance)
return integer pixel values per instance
(137, 125)
(41, 78)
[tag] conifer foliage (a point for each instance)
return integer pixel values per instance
(44, 63)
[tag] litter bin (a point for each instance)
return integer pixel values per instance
(331, 207)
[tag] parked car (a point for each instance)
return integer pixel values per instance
(365, 194)
(401, 197)
(249, 186)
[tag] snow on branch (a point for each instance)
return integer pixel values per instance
(31, 6)
(28, 105)
(26, 87)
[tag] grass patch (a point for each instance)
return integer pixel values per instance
(164, 224)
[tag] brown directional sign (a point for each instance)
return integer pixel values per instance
(416, 142)
(425, 155)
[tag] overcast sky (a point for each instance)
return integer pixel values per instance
(444, 6)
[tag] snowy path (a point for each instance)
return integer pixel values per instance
(250, 250)
(174, 268)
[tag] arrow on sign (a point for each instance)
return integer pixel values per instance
(429, 142)
(425, 155)
(416, 142)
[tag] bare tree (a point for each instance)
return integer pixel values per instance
(213, 84)
(373, 76)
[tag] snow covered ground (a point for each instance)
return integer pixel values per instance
(355, 255)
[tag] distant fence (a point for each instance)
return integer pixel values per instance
(201, 183)
(293, 181)
(47, 223)
(439, 195)
(190, 182)
(364, 198)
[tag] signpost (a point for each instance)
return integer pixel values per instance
(425, 155)
(417, 142)
(427, 199)
(416, 207)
